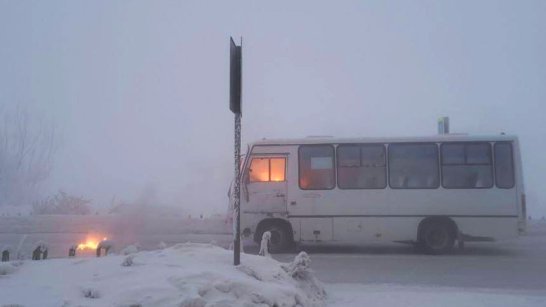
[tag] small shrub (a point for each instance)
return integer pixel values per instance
(128, 261)
(90, 293)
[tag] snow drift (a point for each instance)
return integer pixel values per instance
(187, 274)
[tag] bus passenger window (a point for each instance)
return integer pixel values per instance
(413, 166)
(361, 166)
(467, 165)
(504, 165)
(316, 167)
(267, 169)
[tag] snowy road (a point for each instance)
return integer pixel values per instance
(518, 265)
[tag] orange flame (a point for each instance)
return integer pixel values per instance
(91, 243)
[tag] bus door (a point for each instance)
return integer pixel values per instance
(311, 199)
(265, 184)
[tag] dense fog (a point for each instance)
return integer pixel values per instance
(138, 91)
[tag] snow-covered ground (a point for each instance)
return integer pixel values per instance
(186, 275)
(203, 275)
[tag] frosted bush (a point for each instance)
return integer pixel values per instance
(162, 245)
(264, 249)
(300, 270)
(90, 293)
(299, 267)
(128, 261)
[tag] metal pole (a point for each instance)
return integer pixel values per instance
(237, 192)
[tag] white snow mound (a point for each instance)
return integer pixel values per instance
(187, 274)
(7, 268)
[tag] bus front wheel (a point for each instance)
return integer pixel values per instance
(436, 238)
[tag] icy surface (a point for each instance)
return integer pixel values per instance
(357, 295)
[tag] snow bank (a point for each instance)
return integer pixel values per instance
(7, 268)
(187, 274)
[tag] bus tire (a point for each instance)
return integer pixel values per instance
(280, 237)
(436, 238)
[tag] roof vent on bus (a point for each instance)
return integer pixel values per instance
(443, 125)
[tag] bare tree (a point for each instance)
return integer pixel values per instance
(27, 148)
(62, 203)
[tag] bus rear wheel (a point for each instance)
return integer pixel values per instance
(280, 237)
(436, 238)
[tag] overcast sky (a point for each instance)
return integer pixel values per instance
(139, 89)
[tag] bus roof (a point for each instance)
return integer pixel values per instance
(432, 138)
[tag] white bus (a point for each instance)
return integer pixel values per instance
(431, 191)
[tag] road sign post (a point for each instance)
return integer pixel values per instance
(235, 85)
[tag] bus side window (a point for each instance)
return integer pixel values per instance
(259, 170)
(267, 169)
(467, 165)
(504, 165)
(316, 167)
(413, 166)
(277, 169)
(361, 166)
